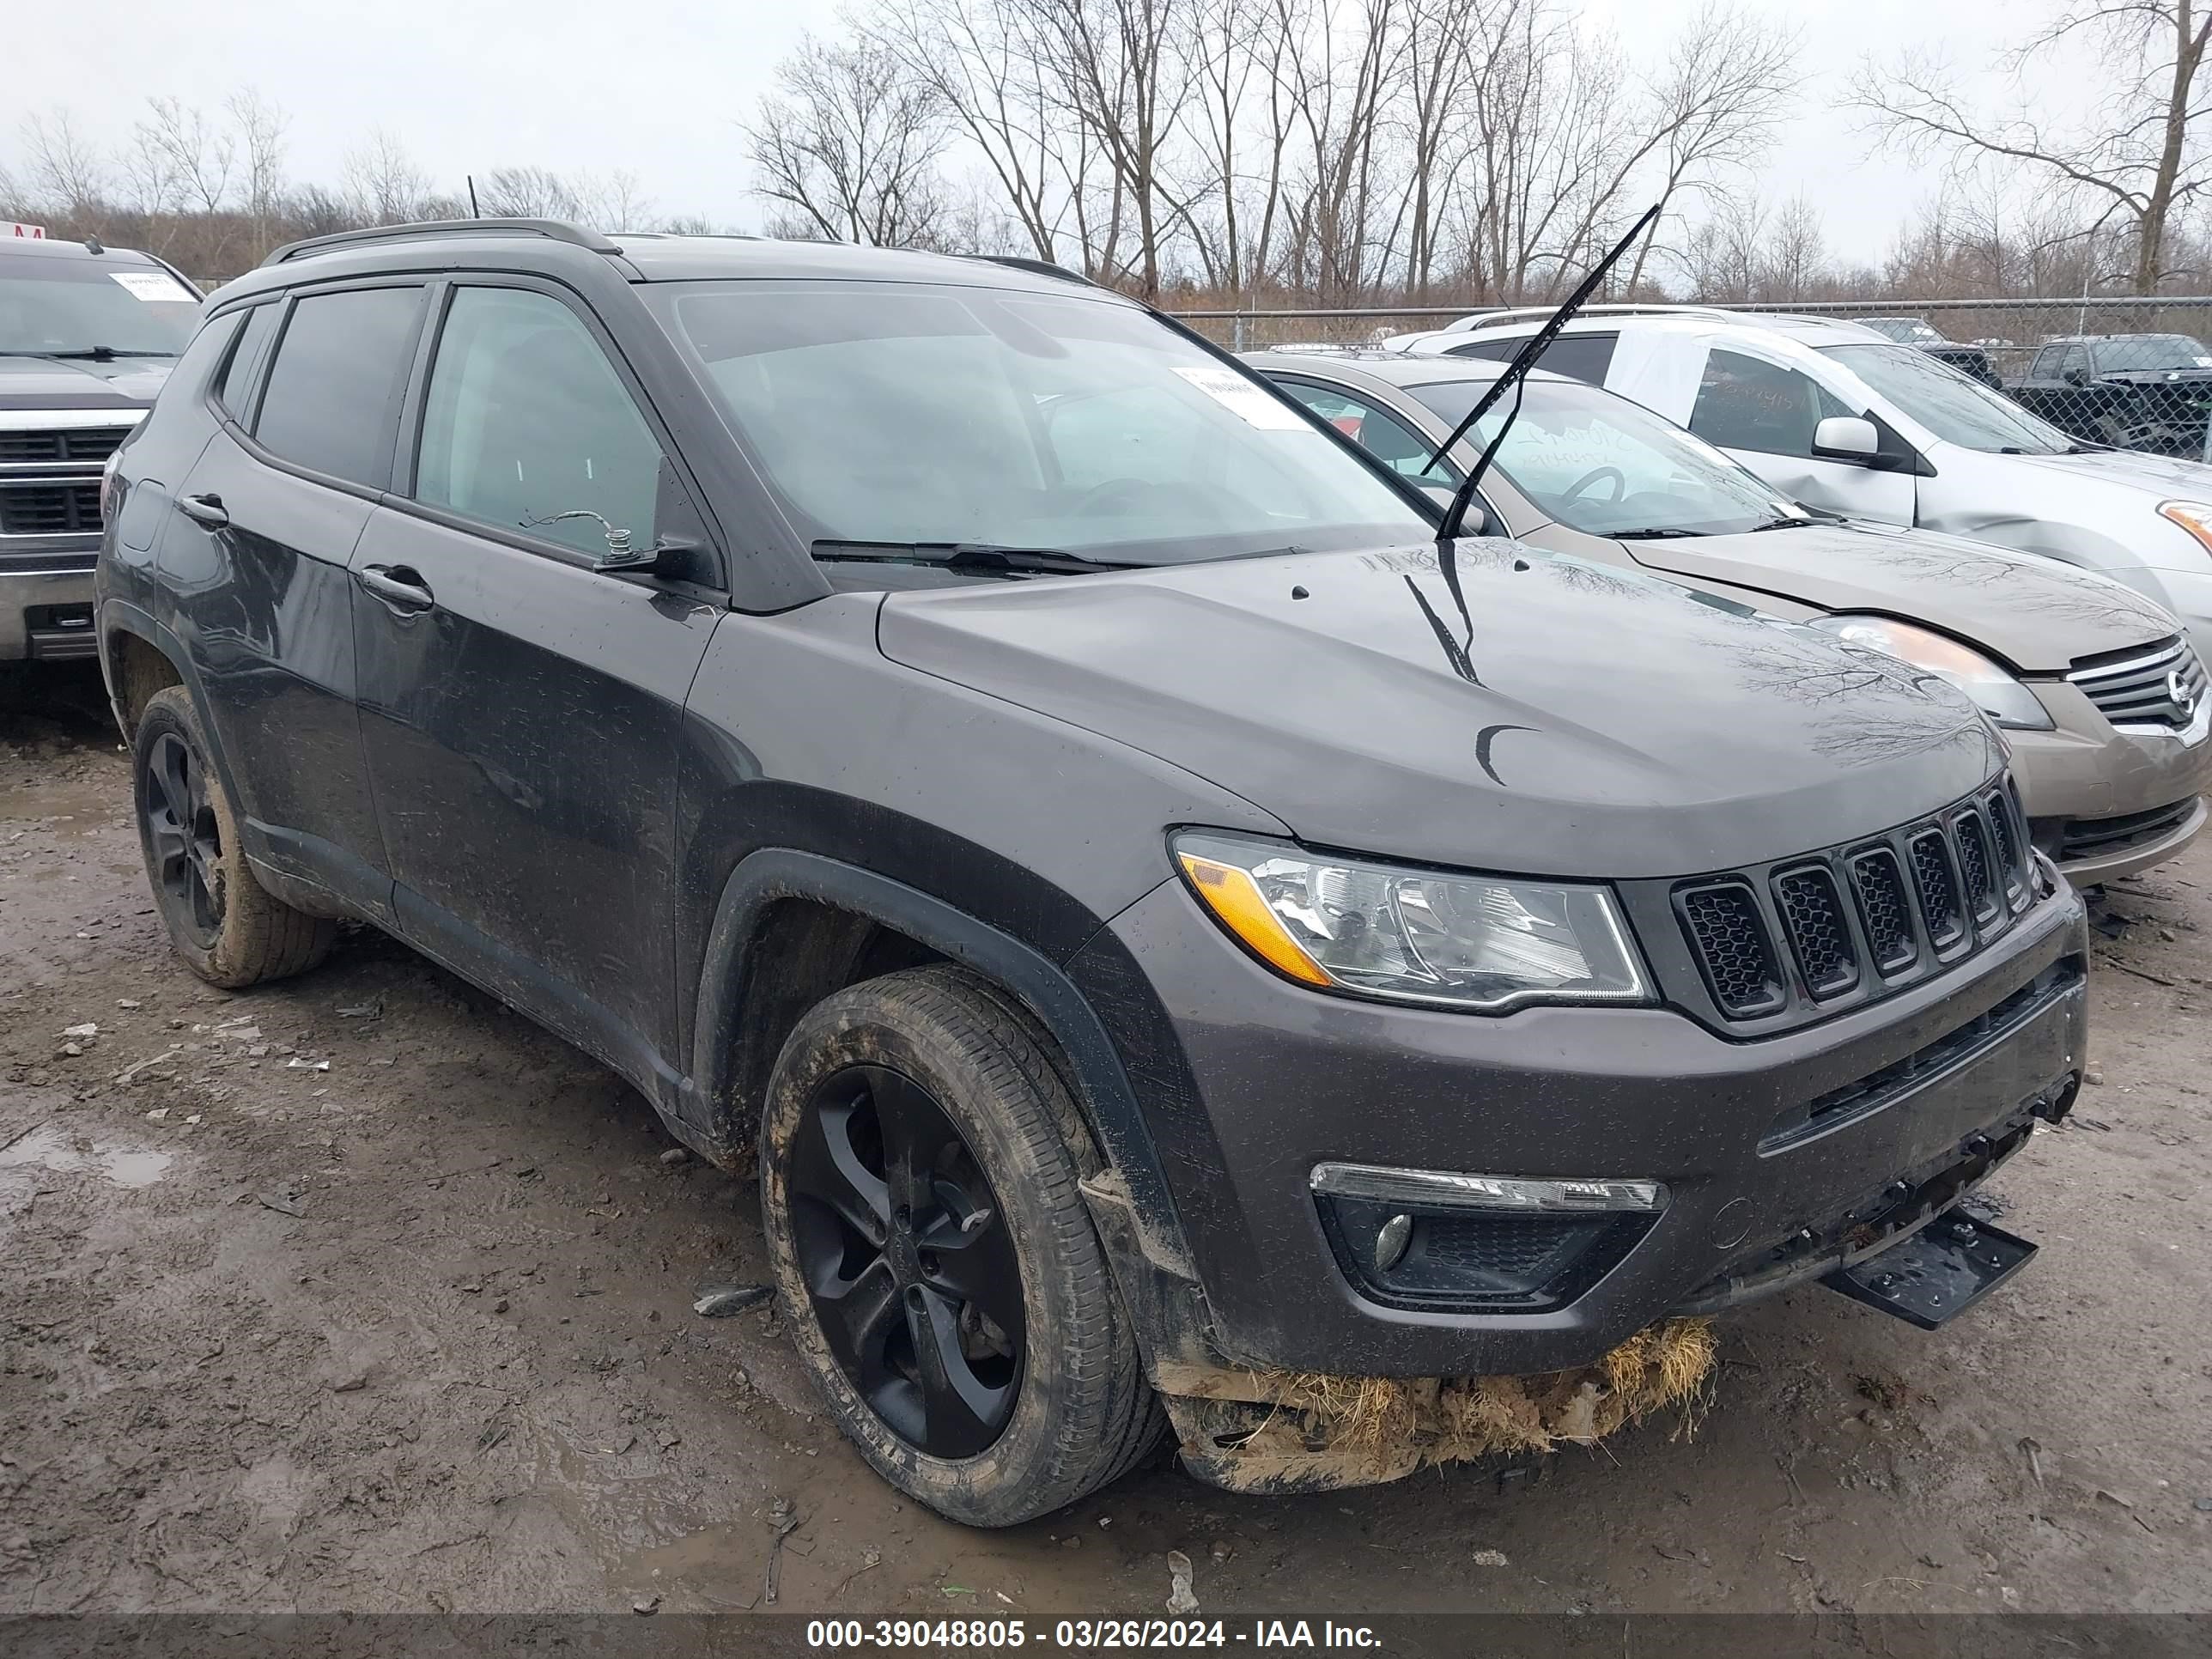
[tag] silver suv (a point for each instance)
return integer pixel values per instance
(1843, 418)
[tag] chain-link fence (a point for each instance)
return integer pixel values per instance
(2134, 372)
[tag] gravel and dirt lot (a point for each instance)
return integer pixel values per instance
(360, 1292)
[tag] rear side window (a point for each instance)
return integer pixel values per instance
(330, 395)
(1584, 357)
(234, 387)
(528, 427)
(1381, 434)
(1745, 403)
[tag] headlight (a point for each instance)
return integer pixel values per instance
(1995, 692)
(2195, 517)
(1413, 935)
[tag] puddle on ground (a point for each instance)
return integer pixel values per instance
(71, 807)
(54, 1149)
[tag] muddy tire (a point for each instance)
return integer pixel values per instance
(944, 1282)
(229, 928)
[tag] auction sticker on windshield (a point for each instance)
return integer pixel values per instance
(152, 285)
(1239, 395)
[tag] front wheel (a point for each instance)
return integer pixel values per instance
(939, 1268)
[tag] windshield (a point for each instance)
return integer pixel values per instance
(906, 413)
(1957, 409)
(2136, 353)
(1597, 462)
(49, 304)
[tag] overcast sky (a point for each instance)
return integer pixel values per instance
(655, 86)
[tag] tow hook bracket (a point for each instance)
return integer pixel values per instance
(1938, 1273)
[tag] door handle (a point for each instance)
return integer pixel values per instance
(207, 510)
(397, 585)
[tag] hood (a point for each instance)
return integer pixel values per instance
(2153, 377)
(43, 383)
(1588, 722)
(2168, 475)
(2033, 614)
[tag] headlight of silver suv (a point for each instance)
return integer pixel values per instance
(1995, 691)
(1410, 935)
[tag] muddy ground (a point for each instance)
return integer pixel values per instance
(362, 1292)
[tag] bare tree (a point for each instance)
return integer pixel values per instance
(846, 146)
(63, 169)
(528, 192)
(2140, 155)
(1121, 68)
(1726, 85)
(383, 183)
(261, 128)
(983, 62)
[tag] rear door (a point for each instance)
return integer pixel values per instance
(520, 708)
(256, 556)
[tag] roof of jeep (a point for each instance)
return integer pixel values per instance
(540, 245)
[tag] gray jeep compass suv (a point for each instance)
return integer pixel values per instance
(1163, 920)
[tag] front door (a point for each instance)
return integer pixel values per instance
(521, 710)
(1764, 412)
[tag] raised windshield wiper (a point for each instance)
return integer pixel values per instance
(964, 556)
(1514, 375)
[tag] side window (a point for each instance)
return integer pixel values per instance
(1744, 403)
(2046, 366)
(1377, 431)
(235, 386)
(1584, 357)
(2077, 361)
(527, 421)
(341, 361)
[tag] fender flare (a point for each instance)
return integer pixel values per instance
(1103, 1093)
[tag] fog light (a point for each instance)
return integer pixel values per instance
(1423, 1238)
(1390, 1243)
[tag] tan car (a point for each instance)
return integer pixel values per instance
(2099, 693)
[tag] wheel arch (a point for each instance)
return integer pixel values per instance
(792, 926)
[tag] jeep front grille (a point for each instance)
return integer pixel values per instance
(1804, 937)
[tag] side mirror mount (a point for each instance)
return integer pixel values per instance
(1847, 437)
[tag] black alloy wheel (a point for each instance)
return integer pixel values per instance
(909, 1259)
(184, 837)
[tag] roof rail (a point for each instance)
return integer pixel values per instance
(555, 229)
(1035, 267)
(1514, 313)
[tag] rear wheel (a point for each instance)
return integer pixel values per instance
(229, 928)
(942, 1275)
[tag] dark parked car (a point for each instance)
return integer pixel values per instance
(86, 336)
(1167, 924)
(1918, 331)
(2150, 391)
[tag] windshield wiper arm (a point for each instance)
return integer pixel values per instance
(1658, 533)
(1782, 524)
(964, 556)
(98, 354)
